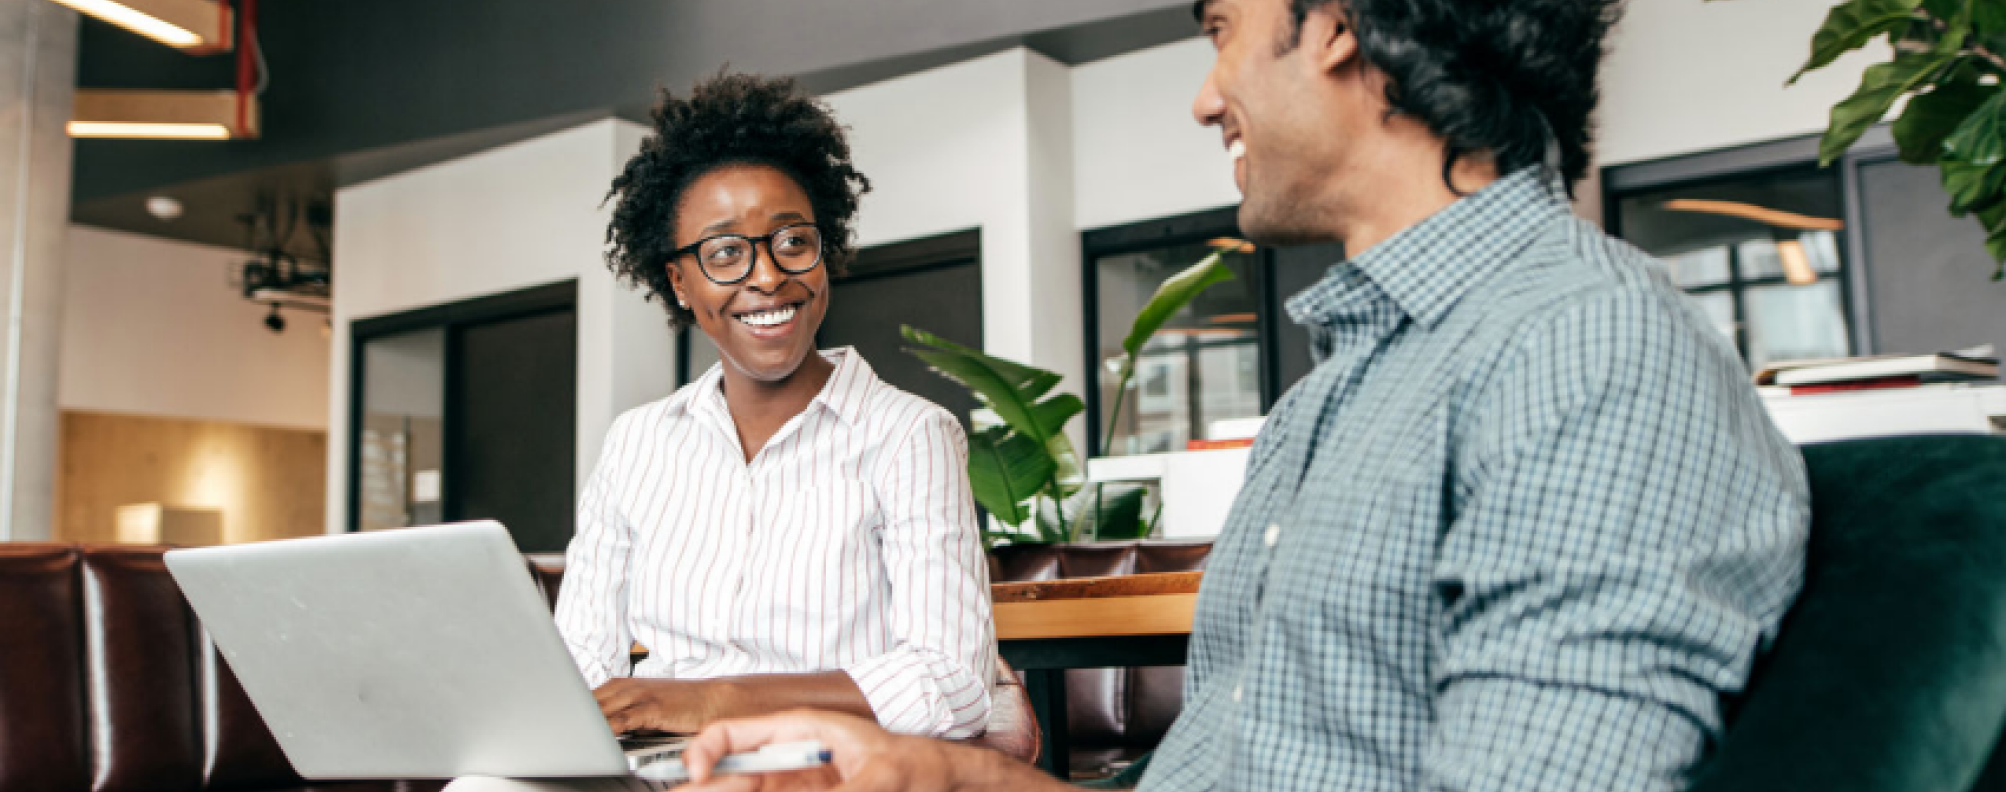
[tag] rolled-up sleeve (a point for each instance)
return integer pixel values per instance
(1629, 533)
(935, 679)
(592, 602)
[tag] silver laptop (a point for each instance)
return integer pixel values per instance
(414, 653)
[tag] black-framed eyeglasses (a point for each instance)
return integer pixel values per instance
(729, 258)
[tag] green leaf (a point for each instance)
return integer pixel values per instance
(1994, 221)
(1102, 512)
(1931, 117)
(1972, 188)
(1011, 389)
(1981, 139)
(1113, 512)
(1851, 25)
(1879, 87)
(1070, 475)
(1005, 469)
(1173, 295)
(1988, 20)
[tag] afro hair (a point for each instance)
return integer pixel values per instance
(730, 119)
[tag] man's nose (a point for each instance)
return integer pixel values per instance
(1209, 107)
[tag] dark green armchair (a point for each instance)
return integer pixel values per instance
(1889, 674)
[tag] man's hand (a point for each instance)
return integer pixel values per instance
(669, 705)
(864, 758)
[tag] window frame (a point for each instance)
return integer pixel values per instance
(1184, 229)
(1757, 160)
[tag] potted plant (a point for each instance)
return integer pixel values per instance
(1948, 64)
(1023, 469)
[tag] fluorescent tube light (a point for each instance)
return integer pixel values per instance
(184, 24)
(1796, 264)
(1760, 214)
(164, 115)
(112, 129)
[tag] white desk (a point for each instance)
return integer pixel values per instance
(1897, 411)
(1197, 487)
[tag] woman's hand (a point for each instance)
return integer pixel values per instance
(686, 706)
(670, 705)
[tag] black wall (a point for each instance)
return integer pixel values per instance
(350, 76)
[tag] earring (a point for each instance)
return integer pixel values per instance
(682, 302)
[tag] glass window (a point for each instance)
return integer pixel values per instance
(401, 448)
(1203, 366)
(1759, 253)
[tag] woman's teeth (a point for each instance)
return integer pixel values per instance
(1238, 150)
(769, 318)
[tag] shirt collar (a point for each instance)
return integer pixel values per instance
(844, 394)
(1429, 266)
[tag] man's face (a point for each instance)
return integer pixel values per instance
(1260, 96)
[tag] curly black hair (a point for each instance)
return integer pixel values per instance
(730, 119)
(1487, 75)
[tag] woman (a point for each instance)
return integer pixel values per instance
(787, 530)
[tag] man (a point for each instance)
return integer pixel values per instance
(1525, 524)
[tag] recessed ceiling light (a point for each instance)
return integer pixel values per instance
(163, 207)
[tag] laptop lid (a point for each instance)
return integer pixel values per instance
(413, 653)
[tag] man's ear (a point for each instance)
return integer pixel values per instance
(1326, 37)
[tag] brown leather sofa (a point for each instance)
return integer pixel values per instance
(108, 684)
(1113, 715)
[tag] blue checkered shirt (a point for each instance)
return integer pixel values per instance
(1521, 528)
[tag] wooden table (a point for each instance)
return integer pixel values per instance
(1045, 627)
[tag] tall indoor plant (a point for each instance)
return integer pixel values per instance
(1947, 60)
(1023, 468)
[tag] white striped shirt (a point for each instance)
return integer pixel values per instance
(848, 543)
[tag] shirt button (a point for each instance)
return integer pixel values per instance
(1237, 690)
(1273, 535)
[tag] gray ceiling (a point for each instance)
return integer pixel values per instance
(363, 88)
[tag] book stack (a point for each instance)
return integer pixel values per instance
(1839, 375)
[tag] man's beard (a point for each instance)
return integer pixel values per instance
(1280, 217)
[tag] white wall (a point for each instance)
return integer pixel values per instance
(986, 144)
(1138, 153)
(1685, 76)
(1023, 148)
(1682, 76)
(508, 218)
(151, 327)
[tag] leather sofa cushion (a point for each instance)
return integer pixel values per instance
(41, 670)
(139, 647)
(239, 751)
(547, 569)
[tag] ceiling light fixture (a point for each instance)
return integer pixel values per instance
(193, 25)
(165, 115)
(1797, 267)
(1760, 214)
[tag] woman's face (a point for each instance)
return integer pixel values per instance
(764, 325)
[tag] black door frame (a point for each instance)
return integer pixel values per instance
(1185, 229)
(560, 296)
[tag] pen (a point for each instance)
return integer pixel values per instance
(776, 758)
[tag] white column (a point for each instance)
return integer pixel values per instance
(38, 52)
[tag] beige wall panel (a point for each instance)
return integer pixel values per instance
(268, 483)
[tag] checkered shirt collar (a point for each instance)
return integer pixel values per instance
(1428, 267)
